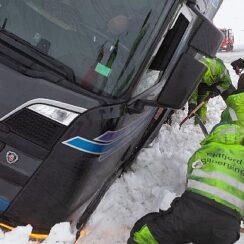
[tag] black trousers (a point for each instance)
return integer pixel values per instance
(190, 220)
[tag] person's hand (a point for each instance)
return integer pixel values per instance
(214, 91)
(204, 90)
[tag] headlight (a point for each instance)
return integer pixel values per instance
(60, 115)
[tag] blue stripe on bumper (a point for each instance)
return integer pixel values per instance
(4, 204)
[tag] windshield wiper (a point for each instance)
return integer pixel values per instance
(22, 56)
(4, 23)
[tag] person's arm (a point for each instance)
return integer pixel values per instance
(228, 91)
(192, 102)
(223, 86)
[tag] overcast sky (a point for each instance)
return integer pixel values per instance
(231, 15)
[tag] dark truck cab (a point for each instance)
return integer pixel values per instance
(83, 86)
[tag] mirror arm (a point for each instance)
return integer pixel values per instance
(138, 106)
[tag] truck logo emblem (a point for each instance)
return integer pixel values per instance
(12, 157)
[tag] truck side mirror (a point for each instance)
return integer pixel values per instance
(183, 80)
(188, 71)
(207, 39)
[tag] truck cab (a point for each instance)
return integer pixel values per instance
(84, 86)
(228, 41)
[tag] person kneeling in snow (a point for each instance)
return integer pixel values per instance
(212, 206)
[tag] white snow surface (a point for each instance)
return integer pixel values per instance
(156, 177)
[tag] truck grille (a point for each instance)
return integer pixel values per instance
(35, 128)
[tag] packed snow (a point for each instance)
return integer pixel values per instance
(156, 177)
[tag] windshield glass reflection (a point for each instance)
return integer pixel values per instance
(103, 41)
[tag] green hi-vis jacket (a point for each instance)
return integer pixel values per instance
(216, 170)
(216, 73)
(235, 109)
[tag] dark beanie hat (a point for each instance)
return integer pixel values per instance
(240, 84)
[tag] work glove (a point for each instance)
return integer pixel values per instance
(211, 91)
(214, 91)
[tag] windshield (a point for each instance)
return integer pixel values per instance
(103, 41)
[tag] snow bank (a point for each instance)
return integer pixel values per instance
(19, 235)
(60, 234)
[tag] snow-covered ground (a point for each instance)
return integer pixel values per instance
(158, 170)
(157, 175)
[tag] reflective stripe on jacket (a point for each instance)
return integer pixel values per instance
(235, 109)
(216, 170)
